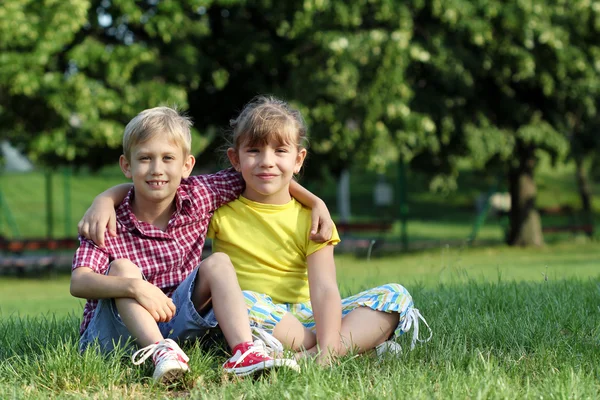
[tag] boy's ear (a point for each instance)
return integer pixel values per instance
(299, 160)
(188, 166)
(233, 158)
(125, 166)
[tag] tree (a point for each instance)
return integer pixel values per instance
(502, 83)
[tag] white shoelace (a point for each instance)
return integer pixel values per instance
(164, 350)
(258, 347)
(412, 318)
(272, 345)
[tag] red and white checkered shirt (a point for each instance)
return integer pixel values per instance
(164, 258)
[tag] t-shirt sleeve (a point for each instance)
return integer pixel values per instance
(91, 256)
(213, 227)
(314, 246)
(226, 185)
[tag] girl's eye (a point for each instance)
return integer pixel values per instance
(252, 150)
(282, 150)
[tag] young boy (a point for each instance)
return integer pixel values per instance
(147, 281)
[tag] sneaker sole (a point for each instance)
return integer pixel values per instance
(171, 375)
(263, 367)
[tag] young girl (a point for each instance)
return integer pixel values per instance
(289, 281)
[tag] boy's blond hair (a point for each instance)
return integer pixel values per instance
(158, 120)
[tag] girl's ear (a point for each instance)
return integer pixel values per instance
(188, 166)
(299, 160)
(125, 166)
(233, 158)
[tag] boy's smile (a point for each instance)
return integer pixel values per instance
(156, 168)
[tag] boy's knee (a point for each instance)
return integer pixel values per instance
(124, 267)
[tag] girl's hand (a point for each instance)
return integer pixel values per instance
(322, 226)
(96, 219)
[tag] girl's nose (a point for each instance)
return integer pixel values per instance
(268, 158)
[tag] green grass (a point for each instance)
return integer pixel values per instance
(508, 324)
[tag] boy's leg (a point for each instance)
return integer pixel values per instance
(137, 319)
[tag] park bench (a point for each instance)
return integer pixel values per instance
(574, 225)
(23, 254)
(351, 242)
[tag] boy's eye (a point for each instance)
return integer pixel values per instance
(144, 158)
(169, 158)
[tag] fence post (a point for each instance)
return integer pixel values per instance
(403, 206)
(49, 213)
(67, 199)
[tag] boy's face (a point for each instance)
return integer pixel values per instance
(156, 168)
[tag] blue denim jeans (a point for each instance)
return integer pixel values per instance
(107, 328)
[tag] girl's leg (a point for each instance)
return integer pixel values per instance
(217, 285)
(364, 329)
(137, 319)
(292, 334)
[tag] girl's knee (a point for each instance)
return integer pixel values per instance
(216, 262)
(394, 288)
(125, 268)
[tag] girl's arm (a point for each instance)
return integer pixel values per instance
(101, 214)
(322, 224)
(326, 302)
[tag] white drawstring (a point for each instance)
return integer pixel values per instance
(412, 318)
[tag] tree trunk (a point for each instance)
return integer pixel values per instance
(525, 222)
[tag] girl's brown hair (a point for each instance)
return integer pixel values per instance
(267, 118)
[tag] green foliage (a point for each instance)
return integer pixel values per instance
(429, 82)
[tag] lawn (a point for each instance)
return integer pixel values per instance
(508, 324)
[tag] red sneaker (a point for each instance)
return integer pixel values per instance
(251, 357)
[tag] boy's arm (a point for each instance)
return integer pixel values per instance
(326, 302)
(88, 284)
(101, 214)
(322, 224)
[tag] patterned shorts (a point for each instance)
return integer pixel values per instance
(391, 298)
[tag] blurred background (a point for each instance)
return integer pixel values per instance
(431, 122)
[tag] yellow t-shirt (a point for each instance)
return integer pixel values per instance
(268, 245)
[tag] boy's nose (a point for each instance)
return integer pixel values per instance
(156, 168)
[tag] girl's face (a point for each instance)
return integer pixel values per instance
(267, 169)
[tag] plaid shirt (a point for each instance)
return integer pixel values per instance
(164, 258)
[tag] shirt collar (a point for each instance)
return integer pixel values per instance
(126, 217)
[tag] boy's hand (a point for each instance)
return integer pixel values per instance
(158, 304)
(96, 219)
(322, 226)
